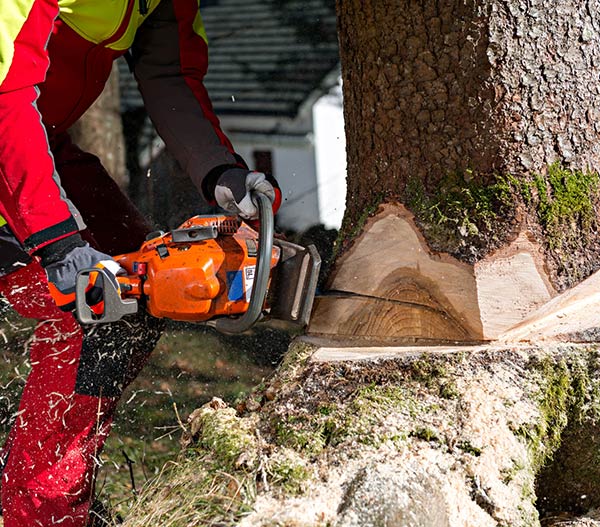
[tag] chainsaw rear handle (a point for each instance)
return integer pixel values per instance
(261, 274)
(115, 307)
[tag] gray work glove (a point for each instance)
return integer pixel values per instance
(233, 191)
(62, 261)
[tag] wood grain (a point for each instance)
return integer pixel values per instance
(391, 285)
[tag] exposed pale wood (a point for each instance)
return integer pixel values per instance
(334, 351)
(573, 316)
(391, 261)
(511, 283)
(383, 319)
(390, 285)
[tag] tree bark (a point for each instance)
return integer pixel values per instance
(434, 87)
(469, 91)
(100, 131)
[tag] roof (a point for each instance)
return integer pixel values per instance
(266, 57)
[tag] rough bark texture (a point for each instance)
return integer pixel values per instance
(364, 437)
(100, 131)
(481, 89)
(444, 86)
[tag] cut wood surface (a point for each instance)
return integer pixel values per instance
(391, 285)
(511, 283)
(334, 351)
(390, 261)
(573, 316)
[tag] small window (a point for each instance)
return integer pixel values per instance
(263, 161)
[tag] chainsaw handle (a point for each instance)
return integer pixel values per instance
(262, 272)
(115, 307)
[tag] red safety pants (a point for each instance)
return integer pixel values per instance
(78, 374)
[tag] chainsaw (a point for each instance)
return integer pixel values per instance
(215, 270)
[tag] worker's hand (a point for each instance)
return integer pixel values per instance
(234, 189)
(62, 261)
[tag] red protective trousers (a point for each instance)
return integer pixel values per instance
(67, 405)
(58, 434)
(78, 374)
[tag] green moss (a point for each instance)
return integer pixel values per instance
(302, 433)
(370, 407)
(565, 203)
(426, 370)
(374, 399)
(463, 214)
(425, 433)
(226, 437)
(461, 209)
(567, 395)
(449, 390)
(544, 437)
(367, 409)
(296, 357)
(468, 448)
(510, 473)
(288, 470)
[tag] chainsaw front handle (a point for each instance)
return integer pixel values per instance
(261, 274)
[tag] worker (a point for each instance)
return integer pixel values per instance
(60, 212)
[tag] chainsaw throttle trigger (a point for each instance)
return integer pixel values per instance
(115, 307)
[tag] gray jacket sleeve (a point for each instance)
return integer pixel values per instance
(169, 63)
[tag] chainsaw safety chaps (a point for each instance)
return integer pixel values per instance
(113, 354)
(67, 405)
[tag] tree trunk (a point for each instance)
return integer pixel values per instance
(448, 97)
(403, 437)
(471, 138)
(100, 131)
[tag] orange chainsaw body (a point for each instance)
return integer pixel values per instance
(184, 276)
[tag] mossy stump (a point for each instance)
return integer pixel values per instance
(410, 436)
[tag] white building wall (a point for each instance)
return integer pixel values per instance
(295, 170)
(330, 151)
(309, 159)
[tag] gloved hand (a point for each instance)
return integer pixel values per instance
(62, 260)
(233, 192)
